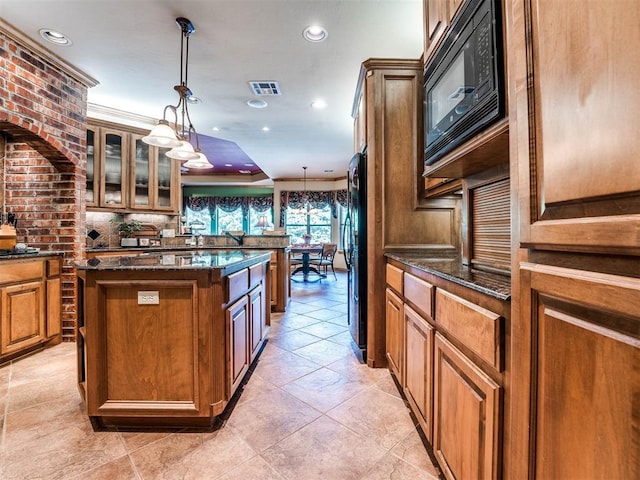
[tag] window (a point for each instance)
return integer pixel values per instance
(201, 221)
(316, 223)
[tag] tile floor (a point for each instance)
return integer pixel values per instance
(309, 411)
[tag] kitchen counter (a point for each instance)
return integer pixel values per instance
(450, 267)
(226, 260)
(165, 338)
(35, 253)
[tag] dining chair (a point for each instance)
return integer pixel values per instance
(326, 258)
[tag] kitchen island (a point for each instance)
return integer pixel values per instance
(165, 338)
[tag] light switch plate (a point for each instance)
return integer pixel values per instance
(148, 298)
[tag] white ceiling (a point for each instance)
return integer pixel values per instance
(132, 47)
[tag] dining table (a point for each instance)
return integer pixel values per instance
(306, 250)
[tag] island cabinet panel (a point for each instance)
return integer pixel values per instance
(258, 317)
(419, 338)
(238, 328)
(150, 348)
(466, 416)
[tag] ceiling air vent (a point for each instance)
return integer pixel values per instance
(265, 88)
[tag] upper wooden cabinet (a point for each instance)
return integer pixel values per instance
(125, 173)
(438, 15)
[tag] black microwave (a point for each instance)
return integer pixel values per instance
(464, 80)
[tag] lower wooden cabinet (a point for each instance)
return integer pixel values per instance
(22, 316)
(418, 387)
(238, 329)
(394, 333)
(257, 319)
(466, 416)
(30, 305)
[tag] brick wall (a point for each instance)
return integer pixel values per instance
(43, 116)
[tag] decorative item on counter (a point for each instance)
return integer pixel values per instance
(8, 237)
(306, 238)
(127, 230)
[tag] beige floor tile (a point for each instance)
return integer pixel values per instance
(323, 389)
(324, 450)
(254, 469)
(324, 329)
(120, 469)
(265, 421)
(412, 450)
(323, 352)
(393, 468)
(294, 339)
(387, 423)
(284, 368)
(350, 367)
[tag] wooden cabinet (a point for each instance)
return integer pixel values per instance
(576, 177)
(167, 347)
(152, 177)
(30, 299)
(390, 94)
(466, 416)
(394, 334)
(107, 151)
(419, 337)
(436, 20)
(124, 173)
(238, 331)
(452, 352)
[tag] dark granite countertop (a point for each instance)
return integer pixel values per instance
(29, 253)
(450, 267)
(226, 260)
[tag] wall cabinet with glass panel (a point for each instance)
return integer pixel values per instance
(125, 173)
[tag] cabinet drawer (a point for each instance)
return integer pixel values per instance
(255, 274)
(237, 284)
(17, 272)
(394, 278)
(477, 328)
(53, 268)
(420, 294)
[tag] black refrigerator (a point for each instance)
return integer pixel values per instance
(354, 237)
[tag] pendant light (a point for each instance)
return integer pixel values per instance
(174, 136)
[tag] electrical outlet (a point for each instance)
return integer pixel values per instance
(148, 298)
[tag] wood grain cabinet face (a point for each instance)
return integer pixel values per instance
(238, 330)
(419, 337)
(466, 416)
(257, 320)
(436, 23)
(23, 319)
(394, 334)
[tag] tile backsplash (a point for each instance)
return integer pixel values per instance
(109, 237)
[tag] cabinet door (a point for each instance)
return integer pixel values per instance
(466, 416)
(93, 167)
(394, 334)
(54, 300)
(113, 178)
(238, 346)
(167, 183)
(257, 320)
(418, 366)
(141, 176)
(435, 20)
(274, 282)
(22, 316)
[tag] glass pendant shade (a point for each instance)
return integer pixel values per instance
(183, 152)
(201, 163)
(162, 135)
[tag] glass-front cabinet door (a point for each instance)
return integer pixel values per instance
(153, 178)
(140, 192)
(93, 167)
(113, 178)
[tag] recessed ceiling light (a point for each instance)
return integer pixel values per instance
(228, 164)
(257, 103)
(55, 37)
(244, 171)
(318, 104)
(248, 164)
(215, 129)
(314, 33)
(265, 129)
(328, 171)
